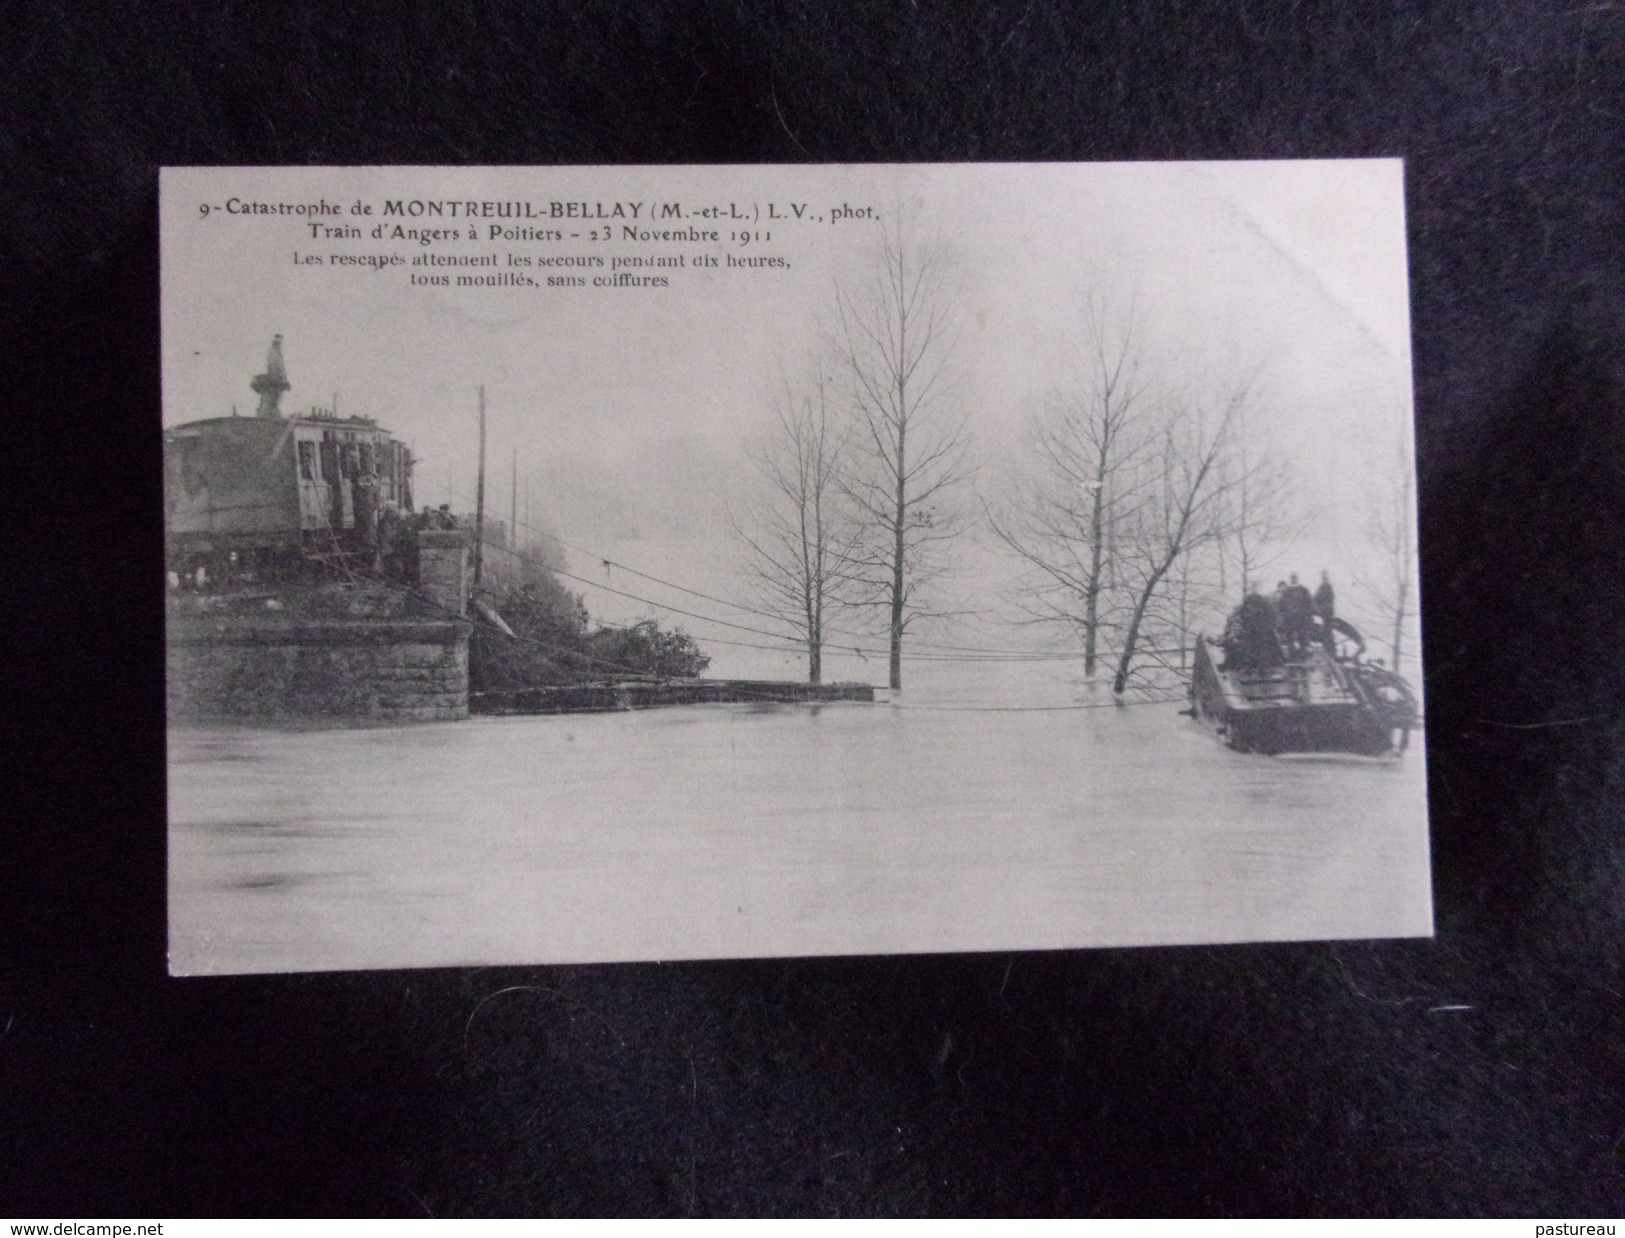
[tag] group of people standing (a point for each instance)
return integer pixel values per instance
(397, 538)
(1265, 630)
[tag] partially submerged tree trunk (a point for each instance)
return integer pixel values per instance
(1186, 513)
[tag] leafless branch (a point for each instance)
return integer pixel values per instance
(893, 329)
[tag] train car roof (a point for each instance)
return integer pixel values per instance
(343, 423)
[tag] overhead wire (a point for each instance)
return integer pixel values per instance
(965, 653)
(783, 646)
(339, 563)
(644, 676)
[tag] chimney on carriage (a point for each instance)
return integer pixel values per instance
(270, 385)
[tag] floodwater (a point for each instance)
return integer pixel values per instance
(986, 808)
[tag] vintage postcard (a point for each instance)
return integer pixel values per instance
(592, 564)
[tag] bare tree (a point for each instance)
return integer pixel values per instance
(797, 541)
(1087, 446)
(1260, 511)
(894, 334)
(1193, 597)
(1137, 495)
(1390, 582)
(1184, 511)
(1255, 511)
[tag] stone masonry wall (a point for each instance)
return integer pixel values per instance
(358, 670)
(443, 569)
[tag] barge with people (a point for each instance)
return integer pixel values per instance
(1308, 688)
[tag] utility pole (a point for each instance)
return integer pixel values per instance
(513, 505)
(479, 498)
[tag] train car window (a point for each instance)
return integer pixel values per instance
(307, 461)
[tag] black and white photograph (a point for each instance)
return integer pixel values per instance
(584, 565)
(907, 610)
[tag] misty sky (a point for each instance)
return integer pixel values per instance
(629, 407)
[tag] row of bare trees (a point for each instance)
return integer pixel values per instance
(858, 500)
(1143, 510)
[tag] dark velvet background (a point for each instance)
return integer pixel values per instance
(1306, 1079)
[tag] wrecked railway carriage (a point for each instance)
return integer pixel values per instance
(276, 491)
(276, 610)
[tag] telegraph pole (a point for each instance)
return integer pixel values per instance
(479, 498)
